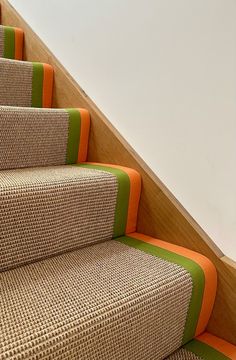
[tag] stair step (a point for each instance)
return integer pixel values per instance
(24, 83)
(49, 210)
(131, 298)
(42, 137)
(11, 42)
(206, 347)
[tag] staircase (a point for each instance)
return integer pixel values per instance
(76, 279)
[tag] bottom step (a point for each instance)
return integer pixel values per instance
(135, 298)
(205, 347)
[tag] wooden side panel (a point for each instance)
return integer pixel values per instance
(160, 214)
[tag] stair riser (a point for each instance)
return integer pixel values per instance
(25, 84)
(38, 137)
(46, 211)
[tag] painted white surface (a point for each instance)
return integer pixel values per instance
(164, 72)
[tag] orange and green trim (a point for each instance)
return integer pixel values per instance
(42, 85)
(201, 270)
(78, 135)
(208, 347)
(84, 135)
(13, 43)
(129, 188)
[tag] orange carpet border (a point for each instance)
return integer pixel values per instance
(84, 134)
(207, 267)
(47, 85)
(134, 197)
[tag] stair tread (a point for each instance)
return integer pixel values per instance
(106, 301)
(205, 347)
(42, 137)
(11, 42)
(25, 83)
(48, 210)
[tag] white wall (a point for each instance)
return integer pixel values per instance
(164, 72)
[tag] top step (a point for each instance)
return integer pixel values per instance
(11, 42)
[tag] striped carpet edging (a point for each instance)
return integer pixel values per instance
(129, 189)
(12, 42)
(78, 135)
(42, 83)
(203, 275)
(209, 347)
